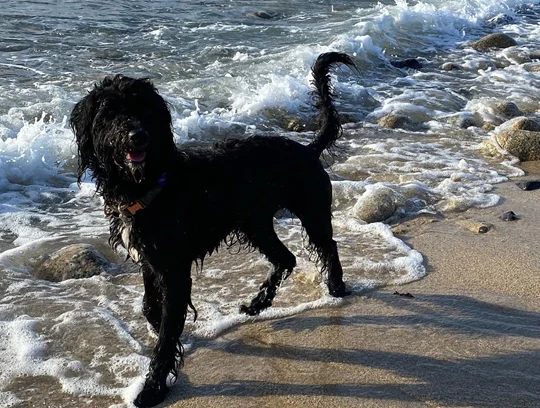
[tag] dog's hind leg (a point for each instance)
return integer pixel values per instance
(262, 236)
(318, 225)
(152, 300)
(168, 352)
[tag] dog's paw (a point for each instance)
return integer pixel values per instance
(150, 396)
(249, 310)
(339, 290)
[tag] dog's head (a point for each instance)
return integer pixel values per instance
(123, 131)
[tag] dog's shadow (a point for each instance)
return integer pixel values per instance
(502, 378)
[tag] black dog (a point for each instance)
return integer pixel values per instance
(171, 207)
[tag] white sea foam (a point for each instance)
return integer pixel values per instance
(33, 343)
(226, 79)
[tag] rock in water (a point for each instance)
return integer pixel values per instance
(392, 121)
(526, 124)
(523, 144)
(500, 19)
(265, 15)
(507, 109)
(497, 40)
(376, 205)
(407, 63)
(72, 262)
(450, 66)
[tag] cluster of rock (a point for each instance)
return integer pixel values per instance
(520, 138)
(521, 134)
(516, 131)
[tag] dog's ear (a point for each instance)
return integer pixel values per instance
(160, 105)
(81, 121)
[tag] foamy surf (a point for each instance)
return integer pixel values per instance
(92, 338)
(240, 76)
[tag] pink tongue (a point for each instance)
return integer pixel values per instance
(137, 156)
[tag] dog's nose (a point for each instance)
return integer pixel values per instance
(138, 137)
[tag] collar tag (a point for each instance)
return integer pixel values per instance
(132, 208)
(129, 210)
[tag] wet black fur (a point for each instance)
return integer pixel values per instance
(230, 190)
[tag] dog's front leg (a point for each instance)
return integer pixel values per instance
(168, 353)
(153, 299)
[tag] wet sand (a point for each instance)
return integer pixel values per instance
(470, 336)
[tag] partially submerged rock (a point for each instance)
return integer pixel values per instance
(264, 15)
(289, 121)
(295, 124)
(507, 110)
(392, 121)
(495, 112)
(465, 120)
(450, 66)
(500, 19)
(407, 63)
(72, 262)
(497, 40)
(513, 56)
(375, 205)
(524, 123)
(523, 144)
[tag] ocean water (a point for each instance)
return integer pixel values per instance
(233, 69)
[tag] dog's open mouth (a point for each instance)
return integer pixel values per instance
(136, 161)
(136, 157)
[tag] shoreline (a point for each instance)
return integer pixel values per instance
(468, 338)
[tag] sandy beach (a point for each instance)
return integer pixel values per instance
(470, 336)
(439, 91)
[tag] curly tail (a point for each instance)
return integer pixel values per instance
(328, 117)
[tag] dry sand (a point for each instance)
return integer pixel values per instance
(470, 337)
